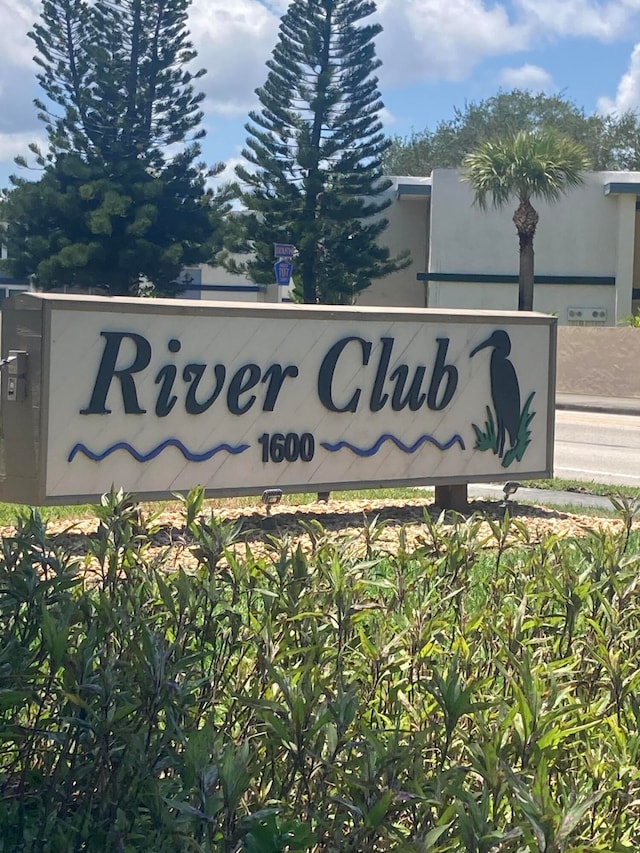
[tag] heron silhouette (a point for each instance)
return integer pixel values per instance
(505, 391)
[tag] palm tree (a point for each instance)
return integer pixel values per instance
(529, 165)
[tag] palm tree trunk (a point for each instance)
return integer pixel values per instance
(526, 220)
(525, 277)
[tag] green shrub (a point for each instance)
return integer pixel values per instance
(632, 320)
(337, 698)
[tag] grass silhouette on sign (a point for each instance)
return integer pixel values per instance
(487, 439)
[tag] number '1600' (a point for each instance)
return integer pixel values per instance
(277, 447)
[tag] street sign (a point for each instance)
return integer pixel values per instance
(283, 250)
(283, 272)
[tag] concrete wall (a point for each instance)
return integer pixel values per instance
(603, 362)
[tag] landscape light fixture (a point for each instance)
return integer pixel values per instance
(510, 488)
(271, 497)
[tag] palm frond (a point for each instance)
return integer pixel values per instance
(529, 164)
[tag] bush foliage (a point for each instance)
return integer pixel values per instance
(334, 699)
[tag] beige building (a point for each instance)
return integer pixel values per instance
(587, 252)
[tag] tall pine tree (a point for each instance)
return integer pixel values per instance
(315, 151)
(113, 209)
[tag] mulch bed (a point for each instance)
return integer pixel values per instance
(338, 519)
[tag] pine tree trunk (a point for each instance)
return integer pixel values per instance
(308, 272)
(131, 117)
(526, 220)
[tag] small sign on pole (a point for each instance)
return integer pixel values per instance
(283, 269)
(283, 272)
(283, 250)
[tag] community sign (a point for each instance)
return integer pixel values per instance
(158, 396)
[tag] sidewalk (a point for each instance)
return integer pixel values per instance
(541, 497)
(608, 405)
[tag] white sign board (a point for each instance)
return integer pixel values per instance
(157, 396)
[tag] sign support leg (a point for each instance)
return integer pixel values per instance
(452, 497)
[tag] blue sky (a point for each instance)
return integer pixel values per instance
(436, 54)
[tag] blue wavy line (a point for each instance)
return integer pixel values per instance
(371, 451)
(146, 457)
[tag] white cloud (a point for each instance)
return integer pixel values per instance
(447, 39)
(233, 41)
(14, 144)
(228, 174)
(386, 117)
(17, 19)
(530, 77)
(603, 21)
(278, 7)
(18, 122)
(229, 108)
(422, 40)
(443, 38)
(628, 92)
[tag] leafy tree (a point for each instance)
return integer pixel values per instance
(313, 175)
(113, 208)
(528, 165)
(611, 142)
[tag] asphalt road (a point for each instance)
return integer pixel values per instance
(597, 446)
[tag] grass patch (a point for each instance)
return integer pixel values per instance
(398, 494)
(9, 512)
(574, 509)
(587, 487)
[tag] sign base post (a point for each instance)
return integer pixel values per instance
(452, 497)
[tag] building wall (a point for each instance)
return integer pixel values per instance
(216, 283)
(636, 265)
(580, 236)
(636, 260)
(586, 234)
(551, 299)
(576, 236)
(408, 230)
